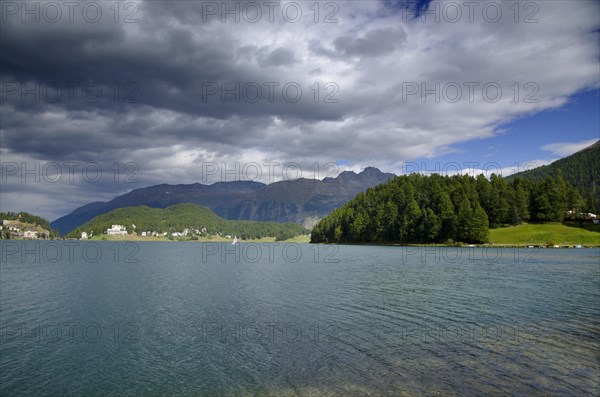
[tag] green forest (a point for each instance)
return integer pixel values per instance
(445, 209)
(178, 217)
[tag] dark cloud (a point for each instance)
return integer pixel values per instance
(165, 82)
(276, 57)
(374, 43)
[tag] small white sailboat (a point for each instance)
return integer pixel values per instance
(235, 240)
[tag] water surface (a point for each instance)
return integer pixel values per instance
(208, 319)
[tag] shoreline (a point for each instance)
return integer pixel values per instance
(306, 241)
(487, 245)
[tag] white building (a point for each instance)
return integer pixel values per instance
(117, 230)
(84, 236)
(143, 234)
(30, 234)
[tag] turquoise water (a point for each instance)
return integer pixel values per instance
(209, 319)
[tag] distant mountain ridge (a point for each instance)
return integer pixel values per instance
(302, 201)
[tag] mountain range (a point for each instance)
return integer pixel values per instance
(306, 201)
(303, 201)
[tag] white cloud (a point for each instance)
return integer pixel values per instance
(564, 149)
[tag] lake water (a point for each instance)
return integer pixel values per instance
(211, 319)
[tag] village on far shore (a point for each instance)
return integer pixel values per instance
(121, 230)
(17, 230)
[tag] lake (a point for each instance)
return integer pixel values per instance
(211, 319)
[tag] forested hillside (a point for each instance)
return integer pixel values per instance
(438, 209)
(176, 218)
(581, 169)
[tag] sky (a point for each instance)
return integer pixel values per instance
(98, 99)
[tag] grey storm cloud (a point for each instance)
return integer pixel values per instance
(179, 86)
(374, 43)
(276, 57)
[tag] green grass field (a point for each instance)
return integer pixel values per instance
(298, 239)
(556, 234)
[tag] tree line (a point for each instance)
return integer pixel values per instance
(580, 170)
(440, 209)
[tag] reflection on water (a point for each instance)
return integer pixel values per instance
(298, 320)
